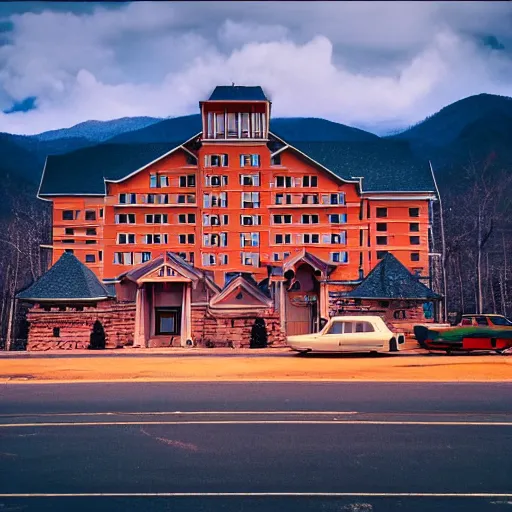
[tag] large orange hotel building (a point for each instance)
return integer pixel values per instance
(192, 243)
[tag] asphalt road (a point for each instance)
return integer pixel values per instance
(359, 447)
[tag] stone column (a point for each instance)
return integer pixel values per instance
(186, 315)
(324, 300)
(139, 338)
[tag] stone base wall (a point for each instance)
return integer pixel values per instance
(75, 327)
(234, 331)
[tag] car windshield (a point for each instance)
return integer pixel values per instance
(500, 320)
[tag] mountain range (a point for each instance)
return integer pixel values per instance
(475, 127)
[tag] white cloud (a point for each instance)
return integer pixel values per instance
(318, 59)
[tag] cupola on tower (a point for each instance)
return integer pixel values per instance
(234, 113)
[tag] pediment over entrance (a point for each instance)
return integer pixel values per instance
(168, 267)
(240, 294)
(294, 261)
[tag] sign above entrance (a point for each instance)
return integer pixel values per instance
(300, 299)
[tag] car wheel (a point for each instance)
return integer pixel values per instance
(393, 345)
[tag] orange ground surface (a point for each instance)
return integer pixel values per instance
(425, 368)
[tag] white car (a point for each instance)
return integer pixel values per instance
(349, 334)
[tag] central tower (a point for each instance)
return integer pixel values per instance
(236, 113)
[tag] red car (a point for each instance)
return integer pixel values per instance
(474, 332)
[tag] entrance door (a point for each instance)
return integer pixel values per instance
(299, 317)
(167, 321)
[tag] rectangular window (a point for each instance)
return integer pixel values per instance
(90, 231)
(123, 258)
(338, 218)
(90, 258)
(163, 181)
(250, 160)
(125, 218)
(414, 226)
(250, 220)
(284, 181)
(208, 259)
(414, 240)
(127, 199)
(216, 160)
(309, 238)
(146, 256)
(283, 239)
(250, 258)
(153, 181)
(283, 199)
(339, 257)
(310, 181)
(310, 199)
(281, 219)
(249, 239)
(187, 181)
(382, 226)
(68, 215)
(381, 254)
(250, 200)
(414, 212)
(215, 181)
(245, 125)
(337, 198)
(220, 127)
(415, 256)
(382, 240)
(309, 219)
(276, 159)
(250, 180)
(69, 231)
(382, 213)
(90, 242)
(232, 126)
(125, 238)
(335, 238)
(156, 218)
(101, 213)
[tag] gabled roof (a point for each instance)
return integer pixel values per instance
(69, 279)
(384, 165)
(174, 261)
(237, 93)
(390, 279)
(306, 257)
(169, 258)
(249, 287)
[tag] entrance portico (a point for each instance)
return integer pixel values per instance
(163, 301)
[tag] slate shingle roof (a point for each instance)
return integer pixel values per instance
(68, 279)
(84, 171)
(237, 92)
(386, 166)
(391, 280)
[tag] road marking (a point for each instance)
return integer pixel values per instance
(259, 422)
(259, 495)
(189, 413)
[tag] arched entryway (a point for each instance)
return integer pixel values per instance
(302, 297)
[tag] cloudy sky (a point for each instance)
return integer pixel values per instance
(379, 66)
